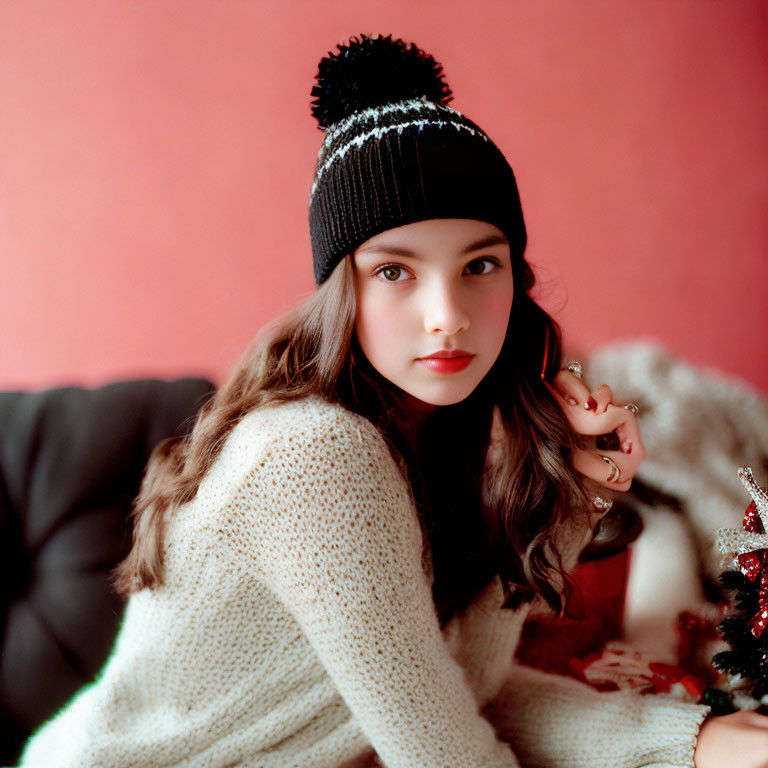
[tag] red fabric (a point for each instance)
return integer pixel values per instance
(592, 617)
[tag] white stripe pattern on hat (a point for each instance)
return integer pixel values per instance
(378, 132)
(374, 113)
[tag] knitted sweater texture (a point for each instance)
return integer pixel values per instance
(295, 628)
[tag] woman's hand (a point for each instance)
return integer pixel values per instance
(594, 413)
(740, 739)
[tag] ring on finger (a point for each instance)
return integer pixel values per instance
(632, 408)
(602, 505)
(615, 475)
(574, 367)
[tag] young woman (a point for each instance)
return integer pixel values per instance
(335, 567)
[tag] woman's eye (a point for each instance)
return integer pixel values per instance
(481, 266)
(391, 273)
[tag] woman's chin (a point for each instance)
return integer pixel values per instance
(436, 397)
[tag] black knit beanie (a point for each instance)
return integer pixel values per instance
(395, 153)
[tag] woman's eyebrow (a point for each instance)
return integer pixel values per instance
(397, 250)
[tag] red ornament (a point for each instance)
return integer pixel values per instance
(666, 675)
(752, 522)
(760, 619)
(754, 566)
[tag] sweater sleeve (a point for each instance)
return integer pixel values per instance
(560, 722)
(335, 536)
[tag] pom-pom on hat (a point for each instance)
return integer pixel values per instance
(395, 152)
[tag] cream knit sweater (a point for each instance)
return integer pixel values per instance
(296, 629)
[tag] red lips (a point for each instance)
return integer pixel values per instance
(447, 353)
(447, 360)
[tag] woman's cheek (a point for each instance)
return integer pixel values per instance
(380, 325)
(495, 311)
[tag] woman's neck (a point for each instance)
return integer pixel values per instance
(411, 420)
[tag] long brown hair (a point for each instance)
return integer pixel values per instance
(500, 517)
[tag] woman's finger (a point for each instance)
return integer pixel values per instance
(569, 388)
(574, 391)
(629, 436)
(627, 430)
(602, 397)
(591, 465)
(615, 417)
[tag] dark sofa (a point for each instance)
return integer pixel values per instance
(71, 461)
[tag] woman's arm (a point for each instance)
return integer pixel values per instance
(557, 721)
(334, 534)
(560, 722)
(742, 734)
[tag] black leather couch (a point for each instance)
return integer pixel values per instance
(71, 461)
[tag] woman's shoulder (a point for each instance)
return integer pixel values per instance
(293, 430)
(304, 420)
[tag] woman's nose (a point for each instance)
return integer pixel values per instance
(443, 311)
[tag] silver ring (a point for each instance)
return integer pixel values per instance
(601, 504)
(574, 366)
(615, 475)
(632, 408)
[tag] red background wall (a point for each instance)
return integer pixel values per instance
(156, 159)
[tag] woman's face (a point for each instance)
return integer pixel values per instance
(433, 304)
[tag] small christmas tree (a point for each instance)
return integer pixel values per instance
(746, 663)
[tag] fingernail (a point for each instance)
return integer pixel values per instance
(627, 447)
(591, 404)
(571, 400)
